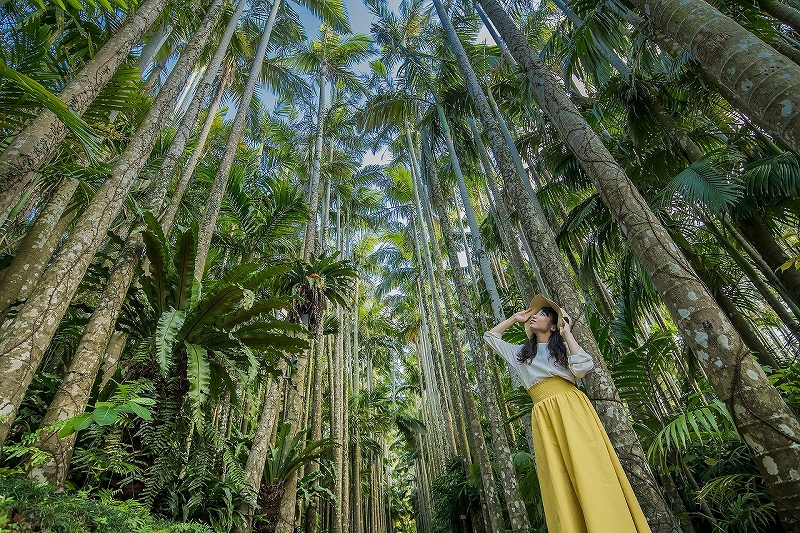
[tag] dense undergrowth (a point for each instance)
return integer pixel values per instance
(26, 506)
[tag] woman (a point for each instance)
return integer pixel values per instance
(584, 488)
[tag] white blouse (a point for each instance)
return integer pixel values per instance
(540, 367)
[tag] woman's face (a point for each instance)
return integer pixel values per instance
(542, 321)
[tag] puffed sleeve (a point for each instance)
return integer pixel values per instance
(506, 350)
(580, 363)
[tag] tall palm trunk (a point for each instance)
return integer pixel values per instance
(518, 515)
(36, 249)
(257, 458)
(553, 272)
(509, 237)
(433, 354)
(154, 44)
(355, 498)
(784, 13)
(209, 218)
(760, 82)
(339, 409)
(31, 148)
(345, 371)
(760, 414)
(316, 165)
(462, 443)
(201, 94)
(762, 239)
(23, 342)
(73, 393)
(294, 410)
(170, 212)
(477, 243)
(316, 425)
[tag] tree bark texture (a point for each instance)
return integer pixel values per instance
(316, 165)
(553, 272)
(36, 249)
(23, 342)
(478, 446)
(475, 236)
(517, 511)
(171, 210)
(73, 393)
(209, 218)
(189, 120)
(257, 458)
(762, 417)
(762, 83)
(31, 148)
(316, 423)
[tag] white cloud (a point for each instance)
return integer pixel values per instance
(381, 157)
(485, 37)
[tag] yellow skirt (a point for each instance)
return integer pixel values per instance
(584, 489)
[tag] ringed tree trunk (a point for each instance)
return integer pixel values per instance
(170, 211)
(31, 148)
(294, 412)
(316, 165)
(509, 236)
(477, 243)
(187, 125)
(73, 393)
(209, 219)
(554, 274)
(424, 233)
(760, 82)
(517, 512)
(316, 423)
(782, 12)
(23, 342)
(37, 247)
(257, 458)
(154, 44)
(478, 449)
(337, 421)
(760, 237)
(761, 416)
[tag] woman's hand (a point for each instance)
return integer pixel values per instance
(566, 329)
(522, 316)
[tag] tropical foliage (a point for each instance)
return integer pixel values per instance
(220, 314)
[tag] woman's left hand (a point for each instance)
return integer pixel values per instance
(565, 329)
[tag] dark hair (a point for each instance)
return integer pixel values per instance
(556, 345)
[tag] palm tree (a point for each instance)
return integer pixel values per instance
(730, 55)
(556, 277)
(71, 398)
(209, 217)
(703, 326)
(23, 342)
(22, 158)
(330, 59)
(324, 279)
(519, 519)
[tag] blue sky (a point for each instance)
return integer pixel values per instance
(358, 14)
(360, 19)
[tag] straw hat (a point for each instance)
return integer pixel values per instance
(537, 303)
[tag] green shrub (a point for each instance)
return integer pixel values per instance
(26, 506)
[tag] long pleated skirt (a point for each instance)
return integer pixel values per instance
(584, 489)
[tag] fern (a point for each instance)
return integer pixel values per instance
(166, 336)
(704, 423)
(198, 373)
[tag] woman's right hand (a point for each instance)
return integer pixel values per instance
(522, 316)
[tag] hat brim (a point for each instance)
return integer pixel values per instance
(537, 303)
